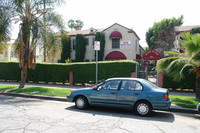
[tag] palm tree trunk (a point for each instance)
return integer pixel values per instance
(23, 81)
(45, 53)
(197, 91)
(25, 65)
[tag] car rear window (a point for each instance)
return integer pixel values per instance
(151, 84)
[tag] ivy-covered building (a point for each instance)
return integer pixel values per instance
(121, 43)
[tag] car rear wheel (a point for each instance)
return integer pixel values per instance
(143, 108)
(81, 102)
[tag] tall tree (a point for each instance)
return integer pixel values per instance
(54, 48)
(5, 25)
(71, 24)
(78, 25)
(181, 62)
(100, 37)
(66, 48)
(51, 20)
(28, 13)
(80, 48)
(75, 24)
(161, 35)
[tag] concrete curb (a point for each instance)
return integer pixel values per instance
(184, 110)
(34, 96)
(173, 108)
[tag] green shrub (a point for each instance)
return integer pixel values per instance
(59, 72)
(80, 48)
(10, 71)
(189, 82)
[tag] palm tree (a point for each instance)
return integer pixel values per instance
(28, 13)
(54, 47)
(78, 25)
(180, 62)
(50, 20)
(5, 24)
(71, 24)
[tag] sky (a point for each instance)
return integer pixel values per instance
(139, 15)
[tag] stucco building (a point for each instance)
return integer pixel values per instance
(120, 43)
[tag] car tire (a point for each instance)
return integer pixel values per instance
(143, 108)
(81, 102)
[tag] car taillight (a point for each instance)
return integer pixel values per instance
(165, 96)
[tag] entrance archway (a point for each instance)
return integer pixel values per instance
(148, 64)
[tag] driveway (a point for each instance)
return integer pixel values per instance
(33, 115)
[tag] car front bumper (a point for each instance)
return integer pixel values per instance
(70, 98)
(198, 107)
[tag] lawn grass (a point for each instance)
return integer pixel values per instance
(45, 91)
(184, 101)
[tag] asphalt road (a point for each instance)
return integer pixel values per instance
(26, 115)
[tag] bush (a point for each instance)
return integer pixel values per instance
(189, 82)
(59, 72)
(10, 71)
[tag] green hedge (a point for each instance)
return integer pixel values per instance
(59, 72)
(189, 82)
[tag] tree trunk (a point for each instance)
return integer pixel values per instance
(197, 91)
(23, 81)
(44, 54)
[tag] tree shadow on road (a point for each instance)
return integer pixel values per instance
(160, 116)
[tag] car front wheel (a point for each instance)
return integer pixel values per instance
(143, 108)
(81, 102)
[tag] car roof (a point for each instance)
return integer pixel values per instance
(138, 79)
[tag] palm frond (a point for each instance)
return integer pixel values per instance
(55, 20)
(177, 67)
(163, 63)
(196, 58)
(172, 53)
(190, 43)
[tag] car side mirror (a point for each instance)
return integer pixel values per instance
(95, 88)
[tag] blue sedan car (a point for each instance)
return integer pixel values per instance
(138, 94)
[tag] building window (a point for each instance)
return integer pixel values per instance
(6, 53)
(115, 43)
(11, 54)
(136, 45)
(86, 41)
(93, 39)
(73, 44)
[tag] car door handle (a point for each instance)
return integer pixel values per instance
(113, 93)
(136, 94)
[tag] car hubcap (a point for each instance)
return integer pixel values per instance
(80, 102)
(143, 109)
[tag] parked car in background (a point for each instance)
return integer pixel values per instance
(138, 94)
(198, 107)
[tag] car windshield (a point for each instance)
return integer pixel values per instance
(98, 85)
(151, 84)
